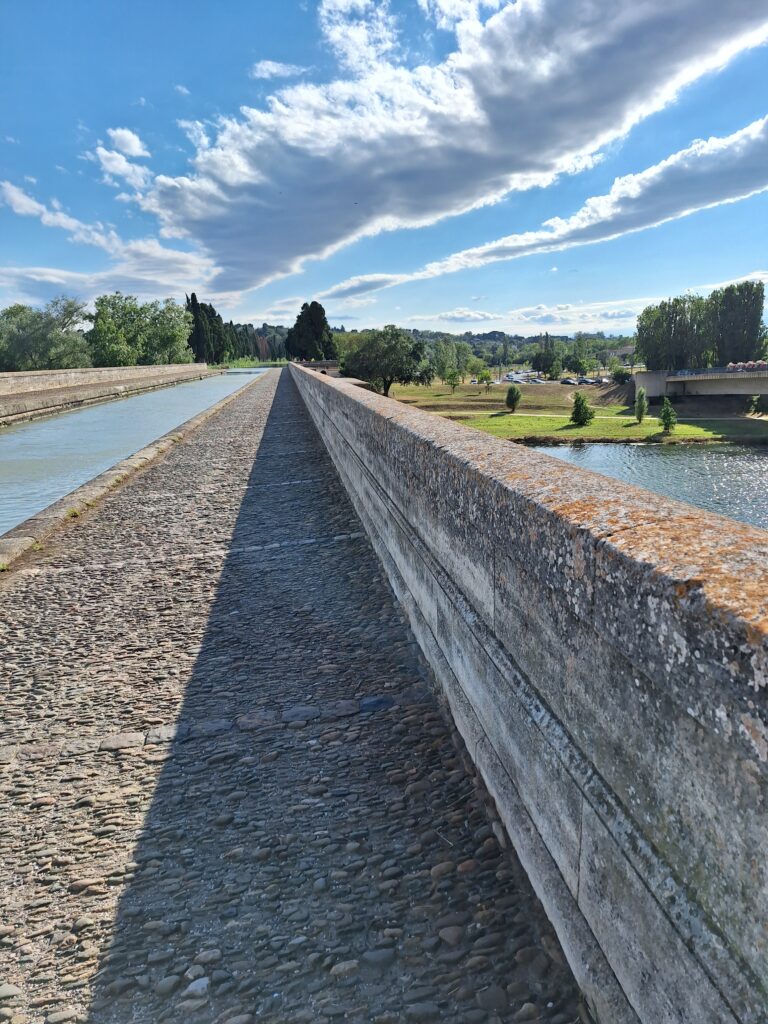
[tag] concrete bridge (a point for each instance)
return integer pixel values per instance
(273, 708)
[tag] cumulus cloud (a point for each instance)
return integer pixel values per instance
(707, 173)
(117, 166)
(127, 141)
(534, 91)
(275, 69)
(182, 90)
(617, 315)
(143, 265)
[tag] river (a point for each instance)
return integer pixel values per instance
(45, 459)
(726, 478)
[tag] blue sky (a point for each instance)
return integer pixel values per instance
(453, 164)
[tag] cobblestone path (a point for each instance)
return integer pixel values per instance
(227, 793)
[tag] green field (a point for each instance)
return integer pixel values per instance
(543, 414)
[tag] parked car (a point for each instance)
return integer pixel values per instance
(473, 381)
(587, 380)
(569, 380)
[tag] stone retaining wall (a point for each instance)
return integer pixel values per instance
(604, 652)
(43, 392)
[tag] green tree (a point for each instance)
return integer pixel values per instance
(444, 358)
(453, 380)
(310, 337)
(42, 339)
(169, 328)
(199, 340)
(386, 357)
(514, 394)
(667, 416)
(735, 316)
(118, 336)
(464, 354)
(641, 405)
(484, 377)
(581, 413)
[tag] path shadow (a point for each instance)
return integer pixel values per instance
(301, 620)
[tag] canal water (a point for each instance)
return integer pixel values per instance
(45, 459)
(726, 478)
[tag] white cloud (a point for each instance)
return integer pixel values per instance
(615, 315)
(127, 142)
(536, 90)
(11, 140)
(182, 90)
(275, 69)
(116, 165)
(143, 265)
(705, 174)
(196, 132)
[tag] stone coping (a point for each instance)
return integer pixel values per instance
(711, 562)
(33, 531)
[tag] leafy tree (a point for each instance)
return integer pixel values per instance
(444, 359)
(453, 380)
(118, 336)
(580, 360)
(548, 359)
(581, 413)
(735, 315)
(641, 405)
(310, 337)
(386, 357)
(463, 355)
(425, 373)
(476, 367)
(168, 332)
(667, 416)
(40, 339)
(690, 332)
(485, 377)
(514, 394)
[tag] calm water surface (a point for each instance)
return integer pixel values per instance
(43, 460)
(726, 478)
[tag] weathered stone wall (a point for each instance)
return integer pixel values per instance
(604, 652)
(40, 392)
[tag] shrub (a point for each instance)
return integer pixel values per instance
(621, 376)
(667, 416)
(514, 394)
(757, 404)
(581, 414)
(641, 404)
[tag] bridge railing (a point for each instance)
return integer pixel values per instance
(604, 652)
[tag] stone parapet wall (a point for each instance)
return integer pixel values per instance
(42, 392)
(604, 652)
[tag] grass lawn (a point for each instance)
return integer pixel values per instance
(545, 408)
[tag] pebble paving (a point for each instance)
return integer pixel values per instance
(228, 790)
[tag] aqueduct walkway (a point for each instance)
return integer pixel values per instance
(227, 793)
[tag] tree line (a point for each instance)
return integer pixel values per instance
(691, 332)
(120, 331)
(214, 341)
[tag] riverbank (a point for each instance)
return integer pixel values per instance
(542, 418)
